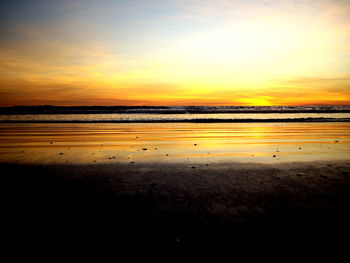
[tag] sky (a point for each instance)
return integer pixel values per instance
(175, 52)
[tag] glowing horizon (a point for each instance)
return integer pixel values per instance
(190, 52)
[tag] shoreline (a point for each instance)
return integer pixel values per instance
(192, 121)
(182, 142)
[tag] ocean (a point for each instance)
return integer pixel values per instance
(177, 114)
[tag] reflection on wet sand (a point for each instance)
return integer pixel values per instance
(173, 142)
(178, 185)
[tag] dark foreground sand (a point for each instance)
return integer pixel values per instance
(232, 206)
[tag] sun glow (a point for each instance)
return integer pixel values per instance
(204, 53)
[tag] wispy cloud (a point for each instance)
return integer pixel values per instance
(175, 52)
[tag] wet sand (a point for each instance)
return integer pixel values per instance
(296, 201)
(235, 206)
(34, 143)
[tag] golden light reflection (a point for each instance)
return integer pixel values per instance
(183, 143)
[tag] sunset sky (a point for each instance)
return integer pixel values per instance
(175, 52)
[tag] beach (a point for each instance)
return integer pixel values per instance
(188, 143)
(235, 206)
(179, 186)
(152, 128)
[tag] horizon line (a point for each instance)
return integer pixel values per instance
(154, 106)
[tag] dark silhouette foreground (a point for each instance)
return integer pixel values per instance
(170, 206)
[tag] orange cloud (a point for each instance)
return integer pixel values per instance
(247, 53)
